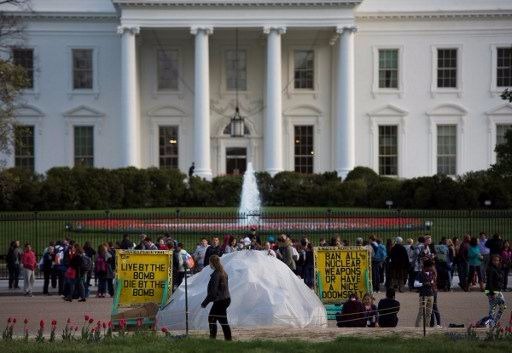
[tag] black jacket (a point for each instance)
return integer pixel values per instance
(218, 288)
(211, 250)
(494, 279)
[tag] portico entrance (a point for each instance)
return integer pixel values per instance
(236, 160)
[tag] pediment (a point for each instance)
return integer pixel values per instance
(448, 110)
(166, 111)
(83, 111)
(388, 110)
(28, 111)
(504, 109)
(303, 110)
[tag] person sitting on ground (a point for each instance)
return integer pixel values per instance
(352, 314)
(370, 310)
(388, 309)
(493, 290)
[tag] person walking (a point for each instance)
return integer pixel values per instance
(218, 293)
(493, 290)
(29, 263)
(13, 264)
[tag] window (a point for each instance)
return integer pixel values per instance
(303, 141)
(501, 131)
(447, 149)
(24, 147)
(25, 59)
(447, 68)
(168, 146)
(388, 68)
(82, 68)
(388, 150)
(84, 146)
(304, 69)
(232, 79)
(168, 70)
(504, 67)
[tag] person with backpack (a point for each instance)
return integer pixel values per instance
(58, 268)
(75, 273)
(101, 268)
(13, 260)
(46, 266)
(379, 255)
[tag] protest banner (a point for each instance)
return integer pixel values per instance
(340, 272)
(143, 279)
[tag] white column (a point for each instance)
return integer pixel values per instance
(345, 119)
(202, 103)
(130, 136)
(273, 121)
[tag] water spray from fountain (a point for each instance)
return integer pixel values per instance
(250, 202)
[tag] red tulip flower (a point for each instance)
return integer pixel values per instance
(91, 320)
(13, 320)
(41, 323)
(86, 317)
(104, 325)
(9, 320)
(69, 321)
(165, 330)
(25, 321)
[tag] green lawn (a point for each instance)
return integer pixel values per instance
(392, 344)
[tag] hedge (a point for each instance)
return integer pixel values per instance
(81, 188)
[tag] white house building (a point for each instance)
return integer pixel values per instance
(406, 87)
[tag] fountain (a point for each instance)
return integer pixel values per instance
(250, 203)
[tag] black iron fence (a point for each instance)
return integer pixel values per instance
(188, 227)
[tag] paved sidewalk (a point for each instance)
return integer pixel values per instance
(37, 290)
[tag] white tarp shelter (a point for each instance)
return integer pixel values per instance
(264, 292)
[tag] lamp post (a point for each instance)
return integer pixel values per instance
(487, 204)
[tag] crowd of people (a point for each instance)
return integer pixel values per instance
(419, 265)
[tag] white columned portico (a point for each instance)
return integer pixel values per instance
(130, 129)
(345, 118)
(202, 103)
(273, 124)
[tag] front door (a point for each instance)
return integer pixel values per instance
(236, 160)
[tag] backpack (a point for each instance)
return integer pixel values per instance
(380, 253)
(86, 264)
(101, 265)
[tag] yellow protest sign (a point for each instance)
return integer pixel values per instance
(342, 271)
(143, 276)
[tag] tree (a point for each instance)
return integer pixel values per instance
(503, 164)
(12, 78)
(507, 95)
